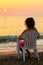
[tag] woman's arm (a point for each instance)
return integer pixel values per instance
(38, 34)
(22, 36)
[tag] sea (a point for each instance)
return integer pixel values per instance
(13, 45)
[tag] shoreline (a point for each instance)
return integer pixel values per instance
(10, 52)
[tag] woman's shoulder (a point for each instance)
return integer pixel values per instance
(25, 31)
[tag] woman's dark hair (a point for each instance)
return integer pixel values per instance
(29, 22)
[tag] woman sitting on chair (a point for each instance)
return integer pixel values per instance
(30, 35)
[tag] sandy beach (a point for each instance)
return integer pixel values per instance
(9, 57)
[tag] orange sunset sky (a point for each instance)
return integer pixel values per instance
(14, 12)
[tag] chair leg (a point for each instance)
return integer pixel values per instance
(18, 53)
(24, 55)
(36, 54)
(18, 48)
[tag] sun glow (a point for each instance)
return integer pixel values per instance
(5, 10)
(14, 12)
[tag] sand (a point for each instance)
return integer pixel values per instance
(9, 57)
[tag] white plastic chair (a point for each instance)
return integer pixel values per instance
(24, 49)
(28, 45)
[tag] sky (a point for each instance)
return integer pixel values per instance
(21, 7)
(14, 12)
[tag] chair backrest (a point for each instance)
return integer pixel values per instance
(31, 38)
